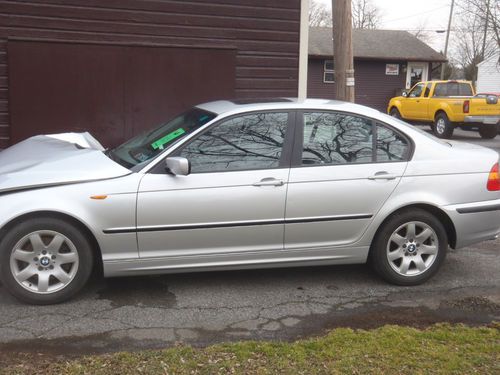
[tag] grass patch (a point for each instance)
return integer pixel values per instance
(440, 349)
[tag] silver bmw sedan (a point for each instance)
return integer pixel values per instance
(242, 184)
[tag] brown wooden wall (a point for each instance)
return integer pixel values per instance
(373, 87)
(265, 34)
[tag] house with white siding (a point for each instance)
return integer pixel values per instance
(488, 74)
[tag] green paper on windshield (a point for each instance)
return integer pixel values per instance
(162, 141)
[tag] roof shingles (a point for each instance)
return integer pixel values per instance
(376, 45)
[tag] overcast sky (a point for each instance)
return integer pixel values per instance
(411, 15)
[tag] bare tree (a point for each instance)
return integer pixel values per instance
(365, 15)
(475, 34)
(488, 14)
(319, 15)
(422, 32)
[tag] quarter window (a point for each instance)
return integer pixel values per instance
(253, 141)
(333, 138)
(391, 146)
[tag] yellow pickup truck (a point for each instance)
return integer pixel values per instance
(446, 105)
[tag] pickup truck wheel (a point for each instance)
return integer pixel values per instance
(488, 131)
(395, 113)
(442, 126)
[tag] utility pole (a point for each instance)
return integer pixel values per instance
(342, 50)
(447, 38)
(485, 33)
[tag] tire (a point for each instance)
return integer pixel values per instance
(394, 112)
(411, 262)
(51, 258)
(488, 131)
(442, 128)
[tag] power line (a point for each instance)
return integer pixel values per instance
(416, 14)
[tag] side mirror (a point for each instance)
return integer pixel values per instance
(405, 94)
(178, 166)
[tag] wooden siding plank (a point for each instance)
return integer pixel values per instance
(266, 83)
(179, 8)
(267, 61)
(105, 26)
(155, 18)
(4, 130)
(89, 36)
(266, 72)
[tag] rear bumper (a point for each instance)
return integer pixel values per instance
(475, 222)
(489, 120)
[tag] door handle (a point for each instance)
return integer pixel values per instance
(269, 181)
(383, 176)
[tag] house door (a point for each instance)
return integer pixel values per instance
(416, 72)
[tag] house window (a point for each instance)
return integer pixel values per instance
(328, 72)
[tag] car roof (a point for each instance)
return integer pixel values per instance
(223, 107)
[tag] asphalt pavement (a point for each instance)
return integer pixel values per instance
(283, 304)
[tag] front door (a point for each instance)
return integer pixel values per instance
(346, 168)
(232, 202)
(412, 105)
(416, 72)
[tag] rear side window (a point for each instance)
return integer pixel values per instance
(441, 89)
(339, 138)
(464, 89)
(334, 138)
(453, 89)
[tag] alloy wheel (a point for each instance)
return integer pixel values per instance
(44, 261)
(412, 248)
(440, 125)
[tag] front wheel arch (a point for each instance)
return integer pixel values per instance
(96, 249)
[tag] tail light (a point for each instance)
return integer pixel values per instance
(494, 179)
(466, 106)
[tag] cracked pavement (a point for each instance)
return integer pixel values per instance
(281, 304)
(284, 304)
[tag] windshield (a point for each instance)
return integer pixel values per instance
(145, 146)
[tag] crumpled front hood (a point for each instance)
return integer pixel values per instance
(47, 160)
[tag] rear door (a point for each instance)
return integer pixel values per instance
(345, 167)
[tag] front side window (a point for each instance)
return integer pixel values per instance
(416, 91)
(253, 141)
(335, 138)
